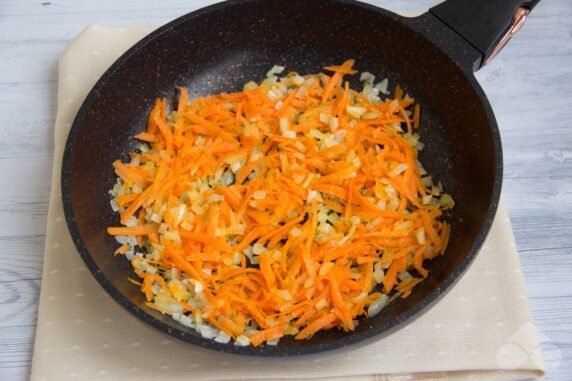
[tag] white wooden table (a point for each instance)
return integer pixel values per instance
(529, 86)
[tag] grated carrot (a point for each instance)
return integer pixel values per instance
(284, 209)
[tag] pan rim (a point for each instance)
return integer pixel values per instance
(351, 339)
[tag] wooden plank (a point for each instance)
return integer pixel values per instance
(18, 298)
(22, 255)
(16, 351)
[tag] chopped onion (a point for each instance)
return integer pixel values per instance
(382, 86)
(258, 249)
(325, 268)
(289, 134)
(222, 338)
(242, 341)
(367, 77)
(420, 235)
(334, 123)
(250, 86)
(378, 274)
(376, 307)
(186, 321)
(356, 111)
(295, 232)
(132, 221)
(114, 205)
(404, 275)
(284, 124)
(259, 195)
(276, 69)
(284, 294)
(322, 303)
(207, 331)
(360, 297)
(214, 198)
(398, 170)
(446, 200)
(371, 115)
(302, 92)
(298, 80)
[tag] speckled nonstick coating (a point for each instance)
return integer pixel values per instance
(221, 47)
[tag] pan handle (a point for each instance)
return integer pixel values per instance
(485, 24)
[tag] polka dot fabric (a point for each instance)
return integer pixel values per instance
(482, 329)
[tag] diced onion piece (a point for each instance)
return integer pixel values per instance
(325, 268)
(298, 80)
(173, 236)
(186, 321)
(402, 225)
(227, 179)
(207, 331)
(284, 124)
(367, 77)
(324, 118)
(446, 201)
(302, 92)
(242, 341)
(322, 303)
(132, 221)
(295, 232)
(289, 134)
(258, 249)
(259, 195)
(361, 297)
(222, 338)
(179, 213)
(276, 69)
(420, 235)
(398, 170)
(376, 307)
(235, 166)
(382, 86)
(356, 111)
(378, 274)
(284, 294)
(272, 342)
(404, 275)
(334, 123)
(250, 86)
(312, 195)
(427, 181)
(215, 198)
(371, 115)
(114, 205)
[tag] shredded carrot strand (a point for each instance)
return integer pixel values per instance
(132, 230)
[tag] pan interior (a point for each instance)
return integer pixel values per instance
(221, 49)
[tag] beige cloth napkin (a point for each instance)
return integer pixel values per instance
(482, 329)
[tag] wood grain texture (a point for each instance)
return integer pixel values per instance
(529, 86)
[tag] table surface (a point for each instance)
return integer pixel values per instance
(529, 86)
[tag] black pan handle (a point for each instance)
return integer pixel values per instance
(485, 24)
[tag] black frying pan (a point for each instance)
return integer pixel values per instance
(221, 47)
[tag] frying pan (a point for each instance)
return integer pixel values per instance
(221, 47)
